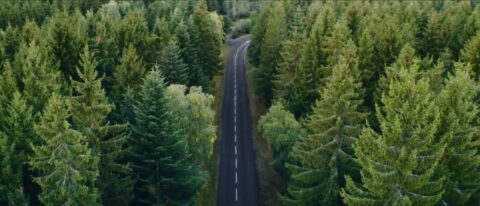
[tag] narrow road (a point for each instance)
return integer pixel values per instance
(237, 175)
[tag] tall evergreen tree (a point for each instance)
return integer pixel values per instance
(275, 34)
(459, 111)
(288, 66)
(89, 113)
(191, 53)
(159, 151)
(66, 41)
(398, 164)
(320, 160)
(210, 39)
(67, 168)
(470, 54)
(172, 66)
(128, 74)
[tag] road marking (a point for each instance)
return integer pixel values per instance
(236, 163)
(236, 177)
(235, 127)
(235, 140)
(235, 148)
(236, 194)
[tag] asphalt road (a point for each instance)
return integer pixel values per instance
(237, 175)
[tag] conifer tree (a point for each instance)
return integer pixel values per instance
(157, 42)
(192, 50)
(133, 31)
(470, 54)
(281, 130)
(398, 162)
(258, 33)
(159, 151)
(128, 74)
(288, 66)
(458, 126)
(66, 39)
(37, 75)
(172, 66)
(89, 113)
(210, 40)
(18, 137)
(320, 160)
(275, 33)
(11, 191)
(66, 165)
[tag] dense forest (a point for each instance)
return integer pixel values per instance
(371, 102)
(108, 102)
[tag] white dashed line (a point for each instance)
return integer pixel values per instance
(236, 177)
(236, 163)
(235, 142)
(235, 148)
(236, 194)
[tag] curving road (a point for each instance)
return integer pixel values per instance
(237, 177)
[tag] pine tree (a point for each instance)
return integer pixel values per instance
(275, 33)
(157, 42)
(38, 76)
(128, 74)
(191, 53)
(66, 41)
(458, 126)
(281, 130)
(210, 40)
(312, 72)
(172, 66)
(89, 113)
(67, 168)
(158, 151)
(258, 33)
(398, 162)
(470, 54)
(133, 31)
(288, 66)
(320, 160)
(18, 138)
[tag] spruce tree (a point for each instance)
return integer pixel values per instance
(470, 54)
(192, 50)
(66, 39)
(275, 33)
(19, 137)
(320, 160)
(399, 161)
(288, 66)
(67, 168)
(128, 74)
(458, 127)
(189, 55)
(172, 66)
(106, 141)
(159, 151)
(210, 40)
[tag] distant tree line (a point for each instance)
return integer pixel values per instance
(106, 102)
(371, 102)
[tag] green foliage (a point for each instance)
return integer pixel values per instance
(67, 168)
(209, 44)
(398, 164)
(320, 160)
(196, 118)
(159, 151)
(458, 127)
(281, 130)
(89, 112)
(67, 37)
(275, 33)
(470, 53)
(128, 74)
(172, 66)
